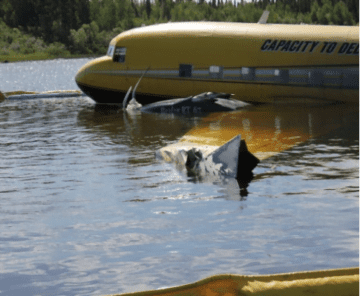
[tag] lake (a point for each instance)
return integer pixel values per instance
(87, 209)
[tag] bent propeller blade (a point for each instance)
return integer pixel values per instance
(137, 84)
(126, 99)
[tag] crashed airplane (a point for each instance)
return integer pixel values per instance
(256, 62)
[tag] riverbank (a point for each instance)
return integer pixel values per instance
(16, 46)
(38, 56)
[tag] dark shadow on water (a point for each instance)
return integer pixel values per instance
(244, 181)
(140, 129)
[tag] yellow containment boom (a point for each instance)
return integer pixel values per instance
(335, 282)
(23, 95)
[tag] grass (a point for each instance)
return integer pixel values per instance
(15, 57)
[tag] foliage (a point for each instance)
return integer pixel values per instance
(88, 39)
(86, 26)
(57, 49)
(14, 42)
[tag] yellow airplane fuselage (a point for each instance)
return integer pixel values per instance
(255, 62)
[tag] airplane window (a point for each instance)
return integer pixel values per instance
(216, 72)
(120, 53)
(185, 70)
(110, 51)
(214, 69)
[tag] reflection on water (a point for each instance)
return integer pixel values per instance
(143, 129)
(86, 208)
(269, 130)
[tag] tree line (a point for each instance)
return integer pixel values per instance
(87, 26)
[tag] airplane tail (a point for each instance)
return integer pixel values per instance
(264, 17)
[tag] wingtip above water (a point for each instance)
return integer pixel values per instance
(231, 159)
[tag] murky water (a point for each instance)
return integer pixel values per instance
(86, 208)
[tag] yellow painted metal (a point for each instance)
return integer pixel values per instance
(10, 94)
(336, 282)
(229, 45)
(19, 92)
(202, 44)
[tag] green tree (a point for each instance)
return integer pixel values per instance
(341, 15)
(24, 13)
(148, 8)
(324, 13)
(314, 10)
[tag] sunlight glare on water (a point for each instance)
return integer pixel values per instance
(87, 209)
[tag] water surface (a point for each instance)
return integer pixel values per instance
(87, 209)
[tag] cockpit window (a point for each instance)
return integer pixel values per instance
(120, 53)
(110, 51)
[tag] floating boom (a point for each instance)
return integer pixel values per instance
(28, 95)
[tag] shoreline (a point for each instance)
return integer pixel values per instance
(40, 56)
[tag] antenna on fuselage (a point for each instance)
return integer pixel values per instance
(264, 17)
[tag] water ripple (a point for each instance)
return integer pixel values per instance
(87, 209)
